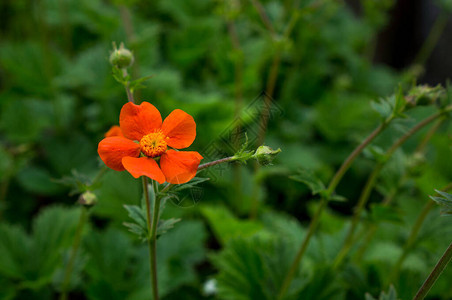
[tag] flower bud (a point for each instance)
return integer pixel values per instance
(122, 57)
(265, 155)
(87, 198)
(423, 95)
(416, 164)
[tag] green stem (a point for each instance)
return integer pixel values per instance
(410, 241)
(152, 228)
(413, 236)
(347, 163)
(127, 87)
(372, 179)
(316, 219)
(73, 253)
(436, 272)
(312, 227)
(391, 195)
(216, 162)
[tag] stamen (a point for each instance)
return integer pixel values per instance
(153, 144)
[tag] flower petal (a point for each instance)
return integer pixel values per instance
(112, 150)
(114, 131)
(180, 166)
(143, 166)
(139, 120)
(180, 128)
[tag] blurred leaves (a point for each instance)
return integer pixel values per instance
(226, 226)
(445, 201)
(32, 259)
(58, 97)
(308, 178)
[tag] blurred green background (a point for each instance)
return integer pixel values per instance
(322, 62)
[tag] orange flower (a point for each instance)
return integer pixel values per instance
(114, 131)
(145, 138)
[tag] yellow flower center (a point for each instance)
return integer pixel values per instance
(153, 144)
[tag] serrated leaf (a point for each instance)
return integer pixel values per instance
(137, 84)
(14, 248)
(118, 75)
(382, 107)
(194, 182)
(34, 259)
(137, 214)
(53, 230)
(165, 225)
(445, 202)
(138, 230)
(391, 295)
(226, 226)
(308, 178)
(76, 270)
(400, 104)
(139, 227)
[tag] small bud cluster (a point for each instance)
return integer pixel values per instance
(423, 95)
(122, 57)
(265, 155)
(87, 199)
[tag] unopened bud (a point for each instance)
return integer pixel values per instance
(87, 198)
(122, 57)
(416, 164)
(425, 95)
(265, 155)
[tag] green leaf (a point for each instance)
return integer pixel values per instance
(137, 214)
(118, 75)
(178, 252)
(137, 84)
(117, 189)
(400, 104)
(53, 231)
(380, 212)
(34, 259)
(38, 180)
(194, 182)
(114, 267)
(391, 295)
(308, 178)
(76, 276)
(226, 226)
(165, 225)
(14, 249)
(445, 202)
(383, 107)
(139, 227)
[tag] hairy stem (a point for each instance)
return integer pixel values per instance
(127, 87)
(315, 220)
(391, 195)
(413, 235)
(216, 162)
(293, 268)
(372, 180)
(349, 160)
(73, 253)
(152, 228)
(436, 272)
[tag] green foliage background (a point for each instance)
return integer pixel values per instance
(58, 97)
